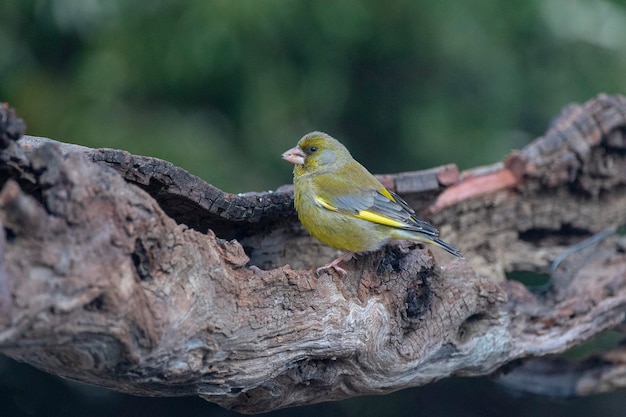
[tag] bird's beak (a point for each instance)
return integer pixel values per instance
(294, 155)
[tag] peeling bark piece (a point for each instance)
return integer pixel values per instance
(11, 127)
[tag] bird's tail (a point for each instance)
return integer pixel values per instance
(422, 237)
(445, 246)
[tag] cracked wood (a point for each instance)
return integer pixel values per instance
(130, 273)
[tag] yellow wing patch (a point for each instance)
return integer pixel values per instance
(377, 218)
(363, 214)
(325, 204)
(387, 194)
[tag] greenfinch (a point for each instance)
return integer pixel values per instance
(344, 206)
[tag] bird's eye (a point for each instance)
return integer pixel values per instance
(313, 148)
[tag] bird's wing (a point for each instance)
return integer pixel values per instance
(378, 206)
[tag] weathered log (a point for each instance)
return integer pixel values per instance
(130, 273)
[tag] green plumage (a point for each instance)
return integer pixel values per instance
(344, 206)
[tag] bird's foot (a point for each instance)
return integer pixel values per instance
(335, 265)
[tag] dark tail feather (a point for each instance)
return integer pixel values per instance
(427, 238)
(443, 245)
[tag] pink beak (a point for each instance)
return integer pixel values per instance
(294, 155)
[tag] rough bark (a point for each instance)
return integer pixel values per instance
(130, 273)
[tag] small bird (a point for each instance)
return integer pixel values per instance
(344, 206)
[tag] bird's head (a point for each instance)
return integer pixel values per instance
(318, 152)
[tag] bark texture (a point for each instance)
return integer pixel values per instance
(130, 273)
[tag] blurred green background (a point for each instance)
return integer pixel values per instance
(223, 87)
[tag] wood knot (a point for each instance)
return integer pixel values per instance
(391, 260)
(418, 298)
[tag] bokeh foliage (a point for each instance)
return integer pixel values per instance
(223, 87)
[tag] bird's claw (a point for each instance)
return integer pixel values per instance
(335, 265)
(342, 272)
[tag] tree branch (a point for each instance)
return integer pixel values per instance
(130, 273)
